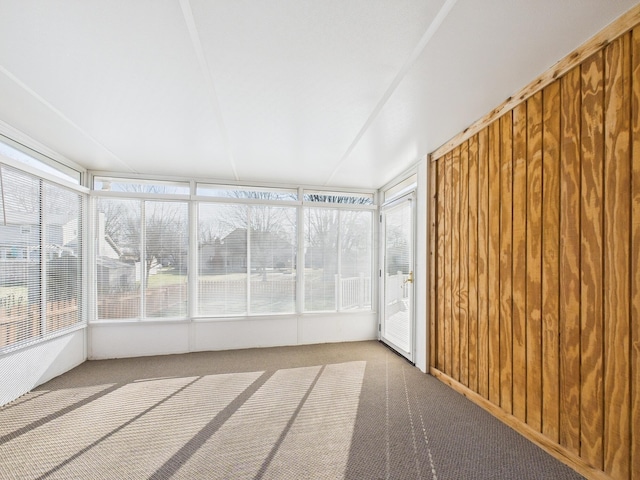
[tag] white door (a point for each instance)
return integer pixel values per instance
(397, 320)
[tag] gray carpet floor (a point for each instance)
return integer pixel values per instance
(335, 411)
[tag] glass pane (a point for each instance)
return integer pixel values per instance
(339, 197)
(166, 246)
(320, 258)
(273, 259)
(398, 235)
(237, 191)
(222, 259)
(109, 184)
(43, 163)
(62, 256)
(355, 260)
(118, 247)
(19, 257)
(400, 188)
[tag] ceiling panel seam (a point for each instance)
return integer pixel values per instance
(59, 113)
(187, 13)
(415, 53)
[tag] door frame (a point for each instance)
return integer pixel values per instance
(410, 196)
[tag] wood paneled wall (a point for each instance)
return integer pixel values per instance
(535, 259)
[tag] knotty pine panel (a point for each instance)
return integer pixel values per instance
(569, 294)
(506, 259)
(433, 245)
(473, 263)
(635, 256)
(534, 262)
(455, 264)
(483, 261)
(441, 227)
(463, 259)
(519, 262)
(550, 261)
(494, 263)
(617, 209)
(591, 262)
(448, 241)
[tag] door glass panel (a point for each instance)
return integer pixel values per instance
(397, 322)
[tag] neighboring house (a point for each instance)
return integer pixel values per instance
(20, 250)
(114, 276)
(20, 258)
(229, 255)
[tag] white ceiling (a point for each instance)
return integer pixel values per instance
(343, 93)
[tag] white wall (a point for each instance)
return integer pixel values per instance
(143, 338)
(26, 368)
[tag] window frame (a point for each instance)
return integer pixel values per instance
(195, 200)
(47, 179)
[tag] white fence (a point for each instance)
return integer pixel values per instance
(353, 292)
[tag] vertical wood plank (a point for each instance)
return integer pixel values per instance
(494, 262)
(455, 264)
(433, 295)
(464, 264)
(473, 263)
(591, 258)
(519, 264)
(550, 259)
(617, 172)
(440, 262)
(483, 259)
(506, 258)
(569, 295)
(534, 261)
(446, 345)
(635, 257)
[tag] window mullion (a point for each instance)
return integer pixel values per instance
(143, 260)
(193, 259)
(300, 236)
(43, 260)
(249, 260)
(339, 263)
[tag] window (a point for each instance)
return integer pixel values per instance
(337, 259)
(114, 184)
(242, 192)
(25, 155)
(222, 259)
(401, 188)
(142, 246)
(322, 196)
(246, 261)
(40, 257)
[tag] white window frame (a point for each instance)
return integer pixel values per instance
(194, 200)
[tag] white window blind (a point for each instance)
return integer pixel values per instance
(338, 259)
(246, 261)
(141, 244)
(222, 259)
(355, 260)
(272, 258)
(166, 248)
(62, 254)
(118, 253)
(40, 257)
(321, 258)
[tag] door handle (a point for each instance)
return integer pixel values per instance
(409, 278)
